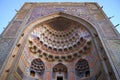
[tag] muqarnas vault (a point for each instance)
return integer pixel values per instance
(60, 41)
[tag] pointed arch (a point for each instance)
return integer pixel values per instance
(60, 68)
(82, 68)
(89, 26)
(29, 27)
(37, 67)
(59, 71)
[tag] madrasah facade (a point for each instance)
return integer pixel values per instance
(60, 41)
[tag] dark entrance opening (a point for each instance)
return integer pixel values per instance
(60, 78)
(32, 73)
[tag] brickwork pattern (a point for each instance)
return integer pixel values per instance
(12, 29)
(5, 47)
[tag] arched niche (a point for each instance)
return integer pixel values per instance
(59, 72)
(82, 69)
(37, 68)
(26, 29)
(88, 27)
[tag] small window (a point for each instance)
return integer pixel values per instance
(87, 73)
(32, 73)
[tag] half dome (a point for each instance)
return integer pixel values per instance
(59, 38)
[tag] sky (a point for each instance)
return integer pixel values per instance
(110, 7)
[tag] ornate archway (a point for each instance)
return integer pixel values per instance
(65, 43)
(82, 68)
(53, 41)
(37, 68)
(60, 71)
